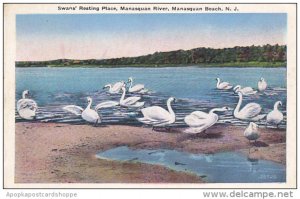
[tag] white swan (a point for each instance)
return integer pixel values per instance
(89, 114)
(157, 116)
(245, 90)
(275, 116)
(114, 88)
(136, 88)
(250, 112)
(200, 121)
(261, 84)
(130, 102)
(223, 85)
(26, 107)
(251, 132)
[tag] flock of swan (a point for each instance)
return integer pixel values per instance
(156, 116)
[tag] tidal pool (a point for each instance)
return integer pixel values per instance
(225, 167)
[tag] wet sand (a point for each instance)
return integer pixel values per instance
(64, 153)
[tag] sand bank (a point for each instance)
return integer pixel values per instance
(54, 153)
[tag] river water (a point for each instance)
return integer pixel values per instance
(194, 88)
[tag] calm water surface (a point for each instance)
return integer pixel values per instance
(228, 167)
(53, 88)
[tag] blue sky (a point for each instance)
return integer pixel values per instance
(116, 35)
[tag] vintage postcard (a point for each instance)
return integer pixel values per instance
(150, 95)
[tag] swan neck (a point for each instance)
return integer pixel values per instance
(237, 108)
(131, 84)
(215, 109)
(24, 95)
(89, 105)
(276, 106)
(107, 86)
(218, 82)
(237, 88)
(123, 95)
(170, 109)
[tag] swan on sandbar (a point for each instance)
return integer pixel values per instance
(158, 116)
(262, 84)
(136, 88)
(199, 121)
(130, 102)
(275, 116)
(114, 88)
(251, 132)
(249, 112)
(89, 114)
(27, 107)
(223, 85)
(245, 90)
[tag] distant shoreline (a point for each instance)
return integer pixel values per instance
(247, 56)
(211, 65)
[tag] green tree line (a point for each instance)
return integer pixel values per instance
(267, 53)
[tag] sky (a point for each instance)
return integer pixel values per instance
(100, 36)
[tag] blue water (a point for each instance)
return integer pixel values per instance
(228, 167)
(53, 88)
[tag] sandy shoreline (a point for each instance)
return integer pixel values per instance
(64, 153)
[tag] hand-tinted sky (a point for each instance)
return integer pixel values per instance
(47, 37)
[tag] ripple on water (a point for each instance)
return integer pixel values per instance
(54, 112)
